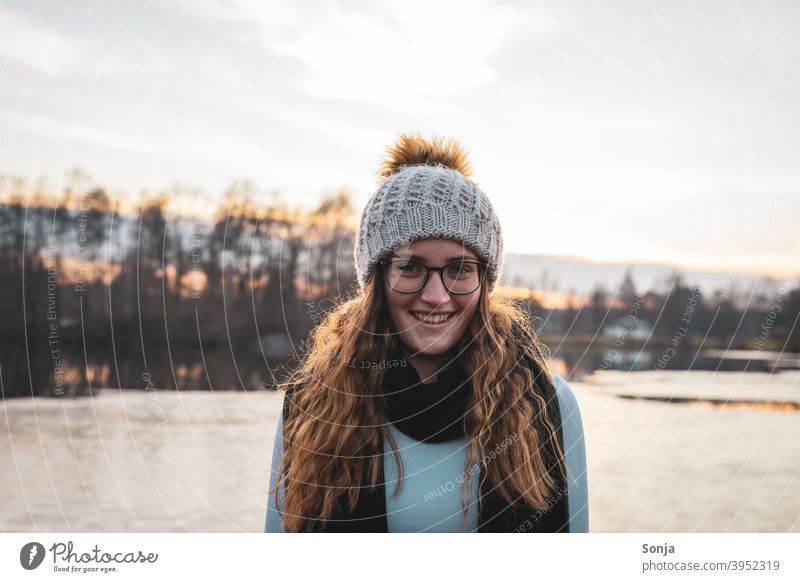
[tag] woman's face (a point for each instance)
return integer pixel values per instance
(405, 309)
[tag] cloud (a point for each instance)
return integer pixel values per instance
(401, 56)
(61, 55)
(37, 47)
(66, 129)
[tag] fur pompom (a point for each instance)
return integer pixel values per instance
(410, 150)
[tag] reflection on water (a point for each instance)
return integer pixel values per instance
(779, 391)
(230, 368)
(198, 461)
(164, 367)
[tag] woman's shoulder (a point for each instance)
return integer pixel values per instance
(290, 391)
(566, 397)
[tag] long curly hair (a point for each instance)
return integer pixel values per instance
(331, 434)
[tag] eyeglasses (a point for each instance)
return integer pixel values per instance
(410, 276)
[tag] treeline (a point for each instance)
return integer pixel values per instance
(77, 275)
(679, 314)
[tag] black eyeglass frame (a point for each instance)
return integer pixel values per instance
(481, 274)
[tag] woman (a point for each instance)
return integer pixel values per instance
(424, 403)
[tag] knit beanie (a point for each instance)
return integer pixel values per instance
(425, 192)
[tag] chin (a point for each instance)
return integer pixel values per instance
(436, 348)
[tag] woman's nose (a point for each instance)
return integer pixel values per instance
(434, 290)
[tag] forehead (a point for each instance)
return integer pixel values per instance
(434, 249)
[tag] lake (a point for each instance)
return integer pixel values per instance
(198, 461)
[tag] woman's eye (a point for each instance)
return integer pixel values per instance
(459, 269)
(409, 267)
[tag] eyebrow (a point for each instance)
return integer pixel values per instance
(454, 258)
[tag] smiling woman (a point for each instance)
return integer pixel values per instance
(475, 434)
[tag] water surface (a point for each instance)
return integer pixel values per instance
(198, 461)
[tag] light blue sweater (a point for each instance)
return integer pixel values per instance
(429, 500)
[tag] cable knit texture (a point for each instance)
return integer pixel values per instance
(428, 201)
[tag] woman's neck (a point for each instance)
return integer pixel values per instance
(428, 367)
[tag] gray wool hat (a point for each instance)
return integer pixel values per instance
(427, 200)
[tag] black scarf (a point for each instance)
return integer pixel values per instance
(426, 412)
(434, 413)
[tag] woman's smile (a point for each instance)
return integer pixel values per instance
(434, 320)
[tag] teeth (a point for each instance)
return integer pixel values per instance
(432, 318)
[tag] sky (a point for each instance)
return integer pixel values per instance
(614, 131)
